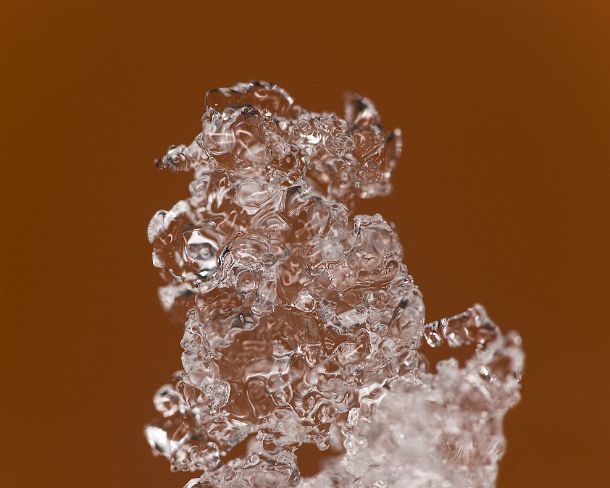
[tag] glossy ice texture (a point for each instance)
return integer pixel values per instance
(302, 323)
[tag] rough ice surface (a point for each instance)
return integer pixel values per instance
(302, 323)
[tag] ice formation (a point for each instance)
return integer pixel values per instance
(302, 323)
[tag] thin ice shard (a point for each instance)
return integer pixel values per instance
(302, 323)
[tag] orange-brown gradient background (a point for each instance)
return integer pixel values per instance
(501, 197)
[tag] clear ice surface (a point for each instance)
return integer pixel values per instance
(302, 324)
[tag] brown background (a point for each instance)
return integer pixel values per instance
(502, 197)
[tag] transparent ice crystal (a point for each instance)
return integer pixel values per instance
(302, 323)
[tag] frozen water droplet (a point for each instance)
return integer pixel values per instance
(167, 401)
(432, 334)
(304, 302)
(175, 159)
(200, 250)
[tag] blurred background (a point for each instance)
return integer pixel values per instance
(501, 197)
